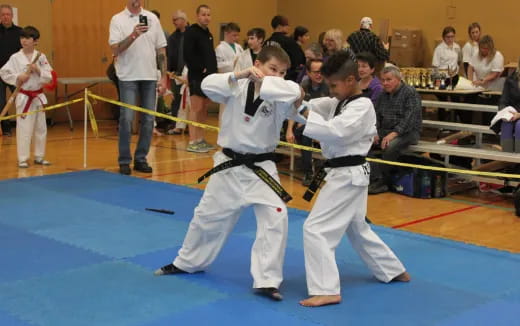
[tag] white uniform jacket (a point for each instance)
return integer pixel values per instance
(349, 133)
(244, 60)
(226, 56)
(17, 65)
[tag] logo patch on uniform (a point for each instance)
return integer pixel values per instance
(266, 111)
(247, 118)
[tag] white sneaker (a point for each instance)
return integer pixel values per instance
(23, 165)
(41, 161)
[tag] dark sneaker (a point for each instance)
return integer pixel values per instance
(377, 188)
(41, 161)
(143, 167)
(307, 179)
(125, 169)
(271, 293)
(168, 269)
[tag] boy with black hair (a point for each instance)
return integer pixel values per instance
(30, 70)
(345, 126)
(255, 39)
(258, 100)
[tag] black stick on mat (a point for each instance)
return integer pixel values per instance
(160, 210)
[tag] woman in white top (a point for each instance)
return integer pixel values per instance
(486, 66)
(471, 46)
(447, 55)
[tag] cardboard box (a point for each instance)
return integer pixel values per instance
(406, 57)
(406, 38)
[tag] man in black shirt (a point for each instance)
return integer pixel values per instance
(9, 44)
(280, 25)
(200, 58)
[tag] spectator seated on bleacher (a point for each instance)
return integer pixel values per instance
(314, 86)
(510, 129)
(399, 120)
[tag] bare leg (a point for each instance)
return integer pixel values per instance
(321, 300)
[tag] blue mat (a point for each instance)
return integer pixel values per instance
(79, 249)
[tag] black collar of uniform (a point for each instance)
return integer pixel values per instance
(252, 104)
(346, 101)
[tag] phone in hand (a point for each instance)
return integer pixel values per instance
(143, 20)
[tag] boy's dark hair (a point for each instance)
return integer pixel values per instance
(200, 7)
(340, 66)
(30, 32)
(309, 63)
(231, 27)
(258, 32)
(299, 31)
(279, 20)
(271, 51)
(368, 58)
(447, 30)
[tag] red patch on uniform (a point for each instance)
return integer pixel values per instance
(246, 119)
(278, 209)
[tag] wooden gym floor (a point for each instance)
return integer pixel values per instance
(485, 219)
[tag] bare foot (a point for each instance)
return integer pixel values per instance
(404, 277)
(321, 300)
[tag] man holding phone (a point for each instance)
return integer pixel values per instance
(138, 44)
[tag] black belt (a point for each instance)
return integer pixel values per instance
(332, 163)
(249, 160)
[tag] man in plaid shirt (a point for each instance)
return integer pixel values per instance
(399, 121)
(364, 40)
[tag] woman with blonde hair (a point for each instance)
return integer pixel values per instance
(333, 42)
(486, 66)
(471, 46)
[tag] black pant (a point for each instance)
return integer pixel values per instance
(6, 124)
(382, 172)
(176, 103)
(305, 141)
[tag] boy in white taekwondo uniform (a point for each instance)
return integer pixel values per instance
(345, 126)
(30, 69)
(227, 53)
(245, 173)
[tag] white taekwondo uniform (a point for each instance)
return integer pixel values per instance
(33, 124)
(244, 60)
(342, 203)
(230, 191)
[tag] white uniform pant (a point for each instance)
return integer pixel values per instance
(227, 194)
(341, 208)
(32, 125)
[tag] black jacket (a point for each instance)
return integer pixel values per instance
(175, 41)
(510, 93)
(199, 53)
(293, 50)
(9, 42)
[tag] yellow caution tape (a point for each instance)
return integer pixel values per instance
(312, 149)
(92, 118)
(47, 108)
(151, 112)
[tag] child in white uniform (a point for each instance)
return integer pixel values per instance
(345, 126)
(30, 69)
(258, 101)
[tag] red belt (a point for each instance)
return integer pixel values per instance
(31, 96)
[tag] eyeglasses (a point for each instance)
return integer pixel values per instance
(315, 72)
